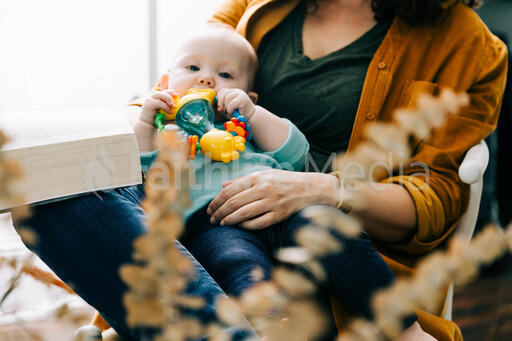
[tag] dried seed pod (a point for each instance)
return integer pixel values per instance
(294, 255)
(228, 311)
(294, 283)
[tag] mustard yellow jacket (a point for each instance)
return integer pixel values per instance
(458, 52)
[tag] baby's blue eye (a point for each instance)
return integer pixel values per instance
(225, 75)
(193, 68)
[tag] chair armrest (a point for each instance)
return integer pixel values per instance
(474, 164)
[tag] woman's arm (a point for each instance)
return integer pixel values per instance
(262, 199)
(386, 211)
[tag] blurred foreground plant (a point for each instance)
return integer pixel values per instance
(9, 172)
(156, 284)
(460, 264)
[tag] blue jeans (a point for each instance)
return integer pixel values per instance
(230, 254)
(86, 239)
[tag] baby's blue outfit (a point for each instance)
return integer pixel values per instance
(210, 174)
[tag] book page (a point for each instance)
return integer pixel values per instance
(46, 127)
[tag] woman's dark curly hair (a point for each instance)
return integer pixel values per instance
(411, 11)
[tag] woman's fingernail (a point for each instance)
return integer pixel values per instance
(222, 223)
(208, 211)
(212, 220)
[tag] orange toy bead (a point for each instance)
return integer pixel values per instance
(229, 126)
(240, 131)
(192, 140)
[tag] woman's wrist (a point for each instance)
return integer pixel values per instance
(324, 189)
(344, 193)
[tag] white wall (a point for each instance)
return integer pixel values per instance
(85, 53)
(175, 19)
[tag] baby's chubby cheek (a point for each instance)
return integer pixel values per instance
(181, 90)
(180, 85)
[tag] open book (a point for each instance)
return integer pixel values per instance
(68, 152)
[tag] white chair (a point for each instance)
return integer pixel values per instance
(471, 172)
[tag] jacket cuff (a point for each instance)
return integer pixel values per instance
(431, 223)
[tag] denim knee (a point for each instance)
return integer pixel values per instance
(230, 254)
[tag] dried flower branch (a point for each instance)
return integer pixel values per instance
(13, 282)
(10, 170)
(45, 277)
(156, 287)
(280, 310)
(460, 264)
(387, 143)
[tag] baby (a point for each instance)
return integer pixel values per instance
(216, 57)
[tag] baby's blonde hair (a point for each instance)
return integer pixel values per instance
(252, 58)
(244, 43)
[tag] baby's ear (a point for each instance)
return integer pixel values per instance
(253, 96)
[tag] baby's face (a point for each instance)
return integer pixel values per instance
(212, 60)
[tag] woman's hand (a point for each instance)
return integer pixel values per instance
(261, 199)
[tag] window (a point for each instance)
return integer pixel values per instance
(76, 53)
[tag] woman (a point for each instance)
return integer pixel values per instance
(418, 218)
(379, 54)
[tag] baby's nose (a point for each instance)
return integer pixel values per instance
(206, 81)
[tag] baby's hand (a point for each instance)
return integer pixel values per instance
(230, 99)
(158, 100)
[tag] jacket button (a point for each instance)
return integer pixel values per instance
(381, 65)
(370, 116)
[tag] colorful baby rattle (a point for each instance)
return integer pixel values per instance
(195, 115)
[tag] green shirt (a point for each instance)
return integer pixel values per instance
(319, 96)
(209, 175)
